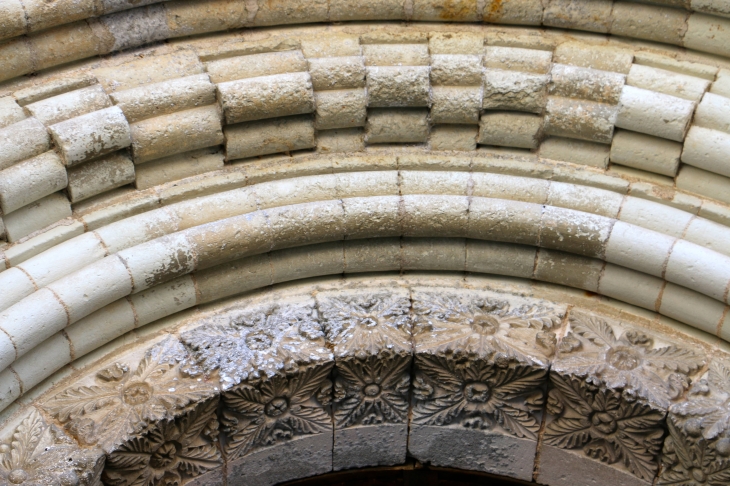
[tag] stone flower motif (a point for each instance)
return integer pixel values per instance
(267, 340)
(482, 327)
(125, 402)
(628, 363)
(365, 324)
(38, 453)
(708, 406)
(372, 391)
(276, 409)
(174, 450)
(478, 394)
(606, 425)
(691, 460)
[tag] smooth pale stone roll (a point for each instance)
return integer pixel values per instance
(653, 113)
(662, 81)
(517, 59)
(575, 151)
(255, 65)
(10, 112)
(506, 129)
(98, 176)
(708, 33)
(707, 149)
(175, 133)
(91, 135)
(22, 140)
(165, 97)
(269, 137)
(645, 152)
(36, 215)
(713, 112)
(650, 22)
(31, 180)
(581, 119)
(69, 105)
(178, 167)
(705, 183)
(606, 58)
(513, 90)
(266, 97)
(397, 125)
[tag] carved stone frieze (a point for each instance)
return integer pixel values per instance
(170, 453)
(277, 409)
(39, 453)
(707, 406)
(125, 398)
(629, 360)
(263, 339)
(364, 322)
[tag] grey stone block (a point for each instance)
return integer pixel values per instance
(559, 467)
(370, 445)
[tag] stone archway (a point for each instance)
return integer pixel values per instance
(492, 248)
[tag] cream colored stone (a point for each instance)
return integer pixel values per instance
(165, 97)
(369, 217)
(713, 112)
(303, 190)
(567, 269)
(654, 113)
(644, 290)
(10, 112)
(15, 56)
(518, 59)
(342, 140)
(456, 70)
(31, 180)
(454, 137)
(9, 388)
(395, 54)
(176, 167)
(338, 44)
(707, 149)
(307, 262)
(35, 216)
(432, 254)
(581, 119)
(365, 184)
(657, 217)
(587, 199)
(42, 15)
(709, 234)
(69, 105)
(343, 108)
(455, 43)
(638, 248)
(398, 86)
(585, 83)
(372, 255)
(135, 27)
(397, 125)
(16, 284)
(255, 65)
(510, 129)
(575, 151)
(605, 58)
(426, 182)
(594, 16)
(32, 321)
(658, 192)
(266, 97)
(684, 305)
(645, 152)
(138, 229)
(53, 87)
(306, 224)
(344, 10)
(708, 33)
(163, 300)
(43, 360)
(521, 12)
(13, 19)
(277, 13)
(269, 137)
(699, 269)
(503, 186)
(159, 260)
(234, 277)
(714, 7)
(507, 221)
(667, 82)
(705, 183)
(98, 176)
(667, 61)
(446, 215)
(22, 140)
(435, 10)
(337, 72)
(172, 134)
(101, 327)
(41, 242)
(500, 258)
(511, 90)
(149, 70)
(189, 18)
(456, 104)
(574, 231)
(650, 22)
(721, 85)
(91, 135)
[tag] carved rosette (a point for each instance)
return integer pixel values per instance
(273, 410)
(260, 340)
(172, 452)
(125, 398)
(697, 451)
(39, 453)
(481, 361)
(610, 389)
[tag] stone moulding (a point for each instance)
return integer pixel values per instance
(334, 376)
